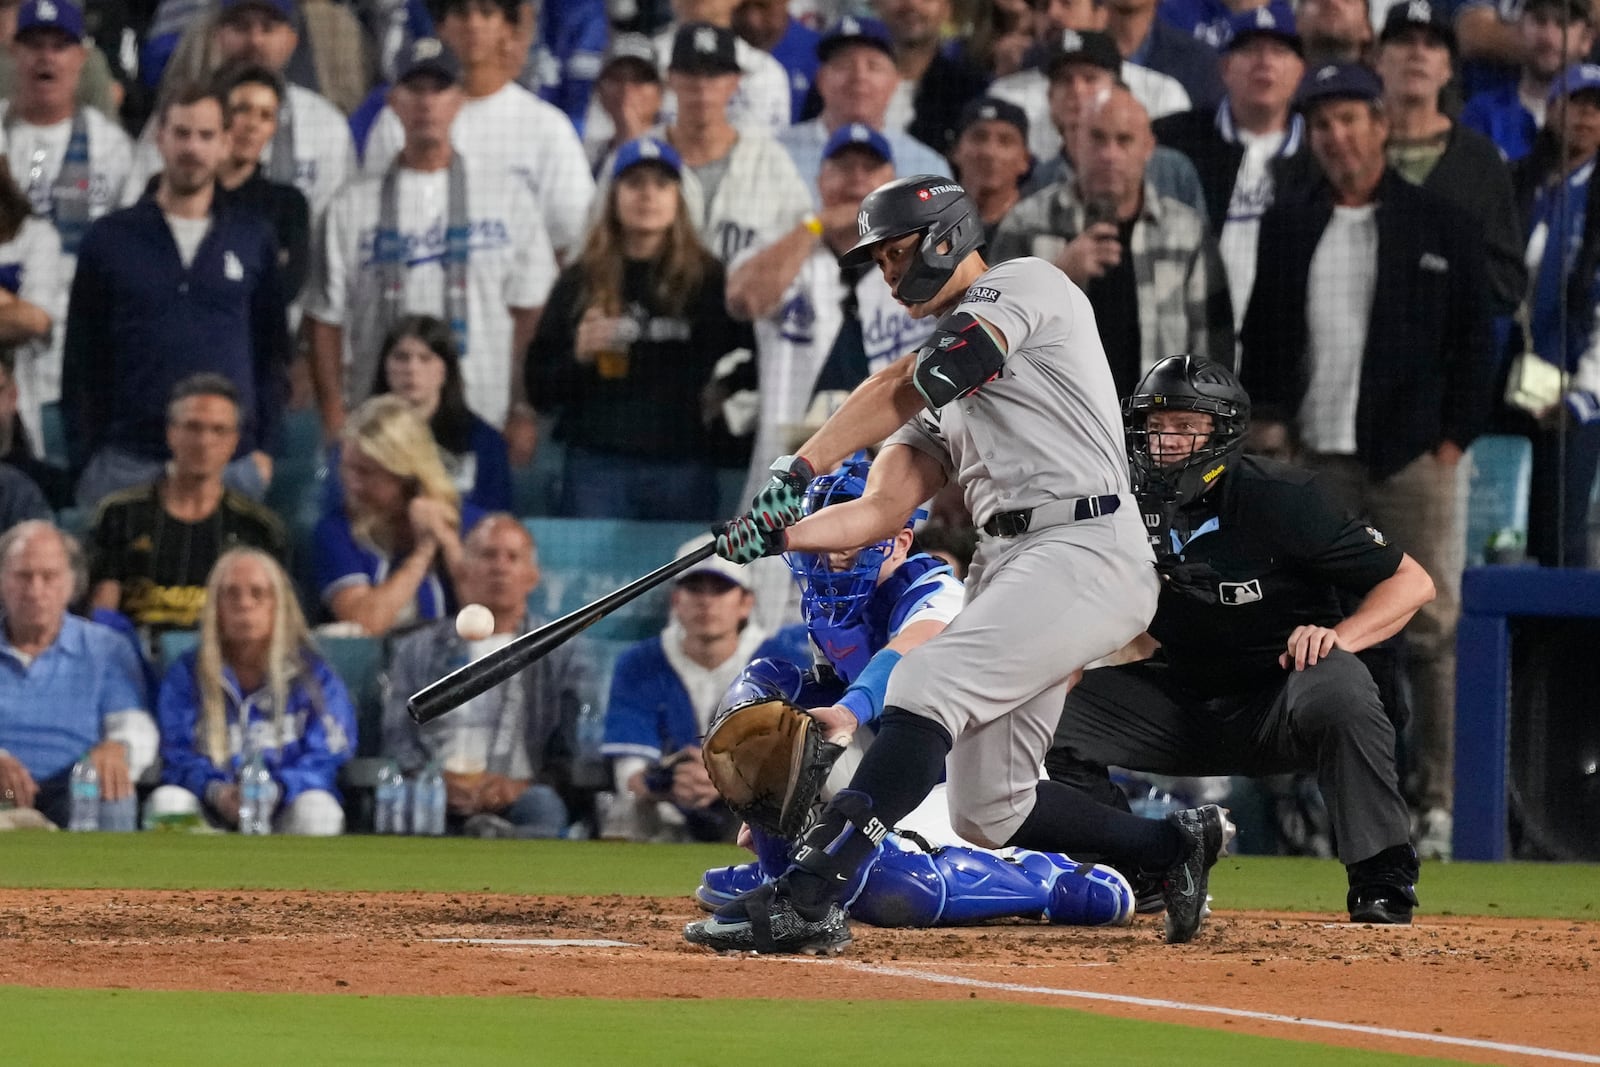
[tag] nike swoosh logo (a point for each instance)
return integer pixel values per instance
(1188, 882)
(939, 374)
(841, 653)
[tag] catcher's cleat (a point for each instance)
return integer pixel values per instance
(1147, 896)
(1206, 832)
(722, 885)
(765, 920)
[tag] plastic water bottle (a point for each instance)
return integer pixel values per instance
(390, 816)
(256, 795)
(84, 794)
(589, 768)
(120, 816)
(428, 801)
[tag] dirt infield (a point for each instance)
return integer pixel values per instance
(1512, 981)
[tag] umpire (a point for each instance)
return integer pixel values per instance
(1253, 669)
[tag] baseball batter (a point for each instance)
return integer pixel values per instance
(1012, 398)
(864, 611)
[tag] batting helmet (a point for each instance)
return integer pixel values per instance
(940, 210)
(1186, 383)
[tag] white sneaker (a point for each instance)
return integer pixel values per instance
(1434, 835)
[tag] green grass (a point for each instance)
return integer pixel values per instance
(132, 1026)
(177, 861)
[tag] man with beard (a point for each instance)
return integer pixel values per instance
(173, 286)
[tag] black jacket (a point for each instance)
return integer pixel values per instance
(1195, 134)
(1471, 175)
(1427, 371)
(946, 87)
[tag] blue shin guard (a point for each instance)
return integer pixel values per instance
(1080, 894)
(954, 886)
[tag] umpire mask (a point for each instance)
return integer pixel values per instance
(1185, 383)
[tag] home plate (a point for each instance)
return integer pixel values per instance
(534, 942)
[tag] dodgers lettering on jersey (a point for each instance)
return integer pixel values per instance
(428, 246)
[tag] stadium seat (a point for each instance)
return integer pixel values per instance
(174, 643)
(581, 560)
(1501, 473)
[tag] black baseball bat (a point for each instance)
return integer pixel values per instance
(486, 672)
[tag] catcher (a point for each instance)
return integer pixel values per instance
(771, 763)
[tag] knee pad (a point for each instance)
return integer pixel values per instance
(314, 813)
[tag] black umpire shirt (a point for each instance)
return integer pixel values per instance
(1268, 552)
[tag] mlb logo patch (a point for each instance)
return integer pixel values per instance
(1236, 593)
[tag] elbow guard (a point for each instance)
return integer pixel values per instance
(959, 358)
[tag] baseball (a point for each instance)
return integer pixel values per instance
(474, 622)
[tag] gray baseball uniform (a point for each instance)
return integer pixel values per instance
(1043, 435)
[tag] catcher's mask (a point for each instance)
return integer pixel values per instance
(1186, 383)
(839, 597)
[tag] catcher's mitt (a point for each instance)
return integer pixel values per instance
(768, 760)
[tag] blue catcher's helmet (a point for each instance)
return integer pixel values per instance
(833, 596)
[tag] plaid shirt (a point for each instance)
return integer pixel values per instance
(1183, 291)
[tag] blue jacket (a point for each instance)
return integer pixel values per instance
(1498, 114)
(139, 322)
(573, 36)
(319, 730)
(797, 51)
(649, 713)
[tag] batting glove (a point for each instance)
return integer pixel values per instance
(745, 540)
(778, 503)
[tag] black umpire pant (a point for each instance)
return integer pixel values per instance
(1327, 719)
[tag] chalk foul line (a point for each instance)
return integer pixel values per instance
(1210, 1009)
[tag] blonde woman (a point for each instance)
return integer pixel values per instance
(256, 682)
(391, 554)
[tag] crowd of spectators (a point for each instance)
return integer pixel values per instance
(473, 239)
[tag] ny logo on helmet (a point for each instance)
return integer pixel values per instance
(863, 224)
(705, 40)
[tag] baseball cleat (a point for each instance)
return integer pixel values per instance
(722, 885)
(767, 921)
(1206, 832)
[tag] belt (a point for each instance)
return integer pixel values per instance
(1013, 523)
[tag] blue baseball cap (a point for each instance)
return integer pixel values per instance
(284, 9)
(51, 15)
(428, 55)
(858, 135)
(853, 30)
(1338, 81)
(1261, 22)
(646, 150)
(1575, 79)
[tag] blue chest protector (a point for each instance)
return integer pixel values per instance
(849, 646)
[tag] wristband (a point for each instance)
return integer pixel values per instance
(813, 225)
(865, 696)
